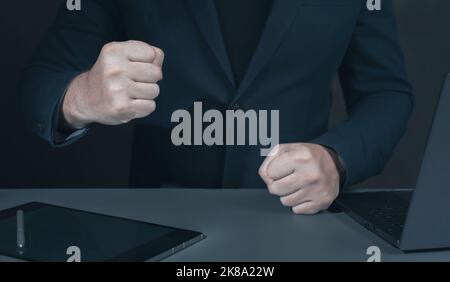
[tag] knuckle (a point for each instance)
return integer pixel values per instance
(143, 46)
(271, 173)
(286, 201)
(298, 211)
(261, 172)
(304, 152)
(274, 187)
(109, 86)
(134, 42)
(297, 156)
(298, 161)
(111, 48)
(137, 44)
(151, 51)
(156, 90)
(151, 107)
(158, 74)
(113, 71)
(120, 108)
(281, 146)
(300, 155)
(307, 153)
(159, 52)
(314, 175)
(112, 85)
(302, 210)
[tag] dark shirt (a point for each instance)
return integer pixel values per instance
(242, 23)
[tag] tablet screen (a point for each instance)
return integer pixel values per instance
(51, 233)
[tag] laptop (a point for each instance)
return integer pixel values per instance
(417, 219)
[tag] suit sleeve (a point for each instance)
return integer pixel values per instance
(378, 97)
(71, 46)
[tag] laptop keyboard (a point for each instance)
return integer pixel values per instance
(386, 211)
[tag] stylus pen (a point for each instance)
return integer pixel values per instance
(20, 230)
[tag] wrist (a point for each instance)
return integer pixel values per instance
(73, 108)
(339, 164)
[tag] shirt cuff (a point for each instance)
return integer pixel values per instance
(62, 138)
(61, 134)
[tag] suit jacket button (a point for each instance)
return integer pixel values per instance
(236, 107)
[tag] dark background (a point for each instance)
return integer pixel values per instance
(102, 158)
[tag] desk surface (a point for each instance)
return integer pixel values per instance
(241, 225)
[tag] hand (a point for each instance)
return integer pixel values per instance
(120, 87)
(304, 176)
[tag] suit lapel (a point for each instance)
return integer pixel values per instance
(280, 19)
(206, 16)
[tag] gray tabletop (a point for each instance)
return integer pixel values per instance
(241, 225)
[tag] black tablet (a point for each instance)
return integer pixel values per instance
(48, 233)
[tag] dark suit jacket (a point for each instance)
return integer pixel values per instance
(305, 43)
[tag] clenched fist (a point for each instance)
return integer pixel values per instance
(120, 87)
(304, 176)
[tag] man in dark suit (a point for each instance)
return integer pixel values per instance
(105, 64)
